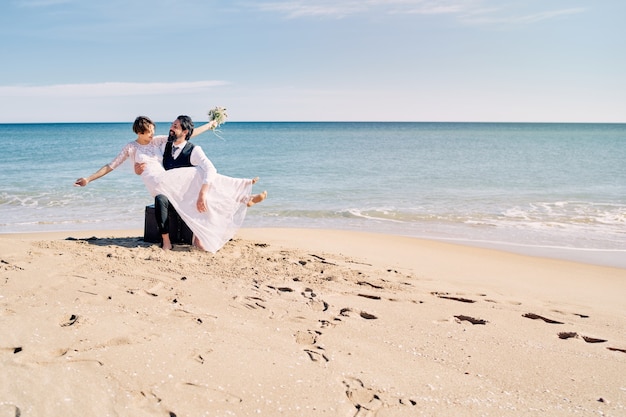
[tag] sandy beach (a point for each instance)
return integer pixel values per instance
(303, 322)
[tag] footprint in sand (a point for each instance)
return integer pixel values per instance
(582, 316)
(181, 398)
(345, 312)
(307, 338)
(325, 324)
(11, 350)
(196, 317)
(367, 316)
(366, 401)
(69, 321)
(369, 402)
(8, 409)
(7, 266)
(316, 355)
(588, 339)
(369, 284)
(315, 303)
(534, 316)
(593, 339)
(155, 289)
(371, 297)
(447, 296)
(253, 302)
(280, 289)
(200, 357)
(315, 352)
(470, 319)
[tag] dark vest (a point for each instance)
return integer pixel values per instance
(183, 160)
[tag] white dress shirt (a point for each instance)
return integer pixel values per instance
(199, 159)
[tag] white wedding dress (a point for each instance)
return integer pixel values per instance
(226, 201)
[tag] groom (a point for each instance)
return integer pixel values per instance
(179, 153)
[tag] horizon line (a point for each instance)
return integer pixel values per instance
(329, 121)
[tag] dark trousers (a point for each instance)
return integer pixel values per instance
(161, 211)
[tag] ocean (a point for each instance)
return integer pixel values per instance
(549, 189)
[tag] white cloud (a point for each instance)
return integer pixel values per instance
(491, 18)
(468, 11)
(41, 3)
(302, 8)
(108, 101)
(296, 9)
(108, 89)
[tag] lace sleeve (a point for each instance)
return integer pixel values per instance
(126, 152)
(159, 140)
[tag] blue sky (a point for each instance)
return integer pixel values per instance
(315, 60)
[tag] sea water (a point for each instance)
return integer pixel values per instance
(545, 189)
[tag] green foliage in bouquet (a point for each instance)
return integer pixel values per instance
(219, 115)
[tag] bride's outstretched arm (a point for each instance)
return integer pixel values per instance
(82, 182)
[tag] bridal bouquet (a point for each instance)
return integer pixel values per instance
(219, 115)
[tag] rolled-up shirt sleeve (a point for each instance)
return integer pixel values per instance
(198, 158)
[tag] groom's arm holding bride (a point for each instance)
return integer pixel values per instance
(199, 159)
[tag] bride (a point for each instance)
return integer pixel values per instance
(212, 205)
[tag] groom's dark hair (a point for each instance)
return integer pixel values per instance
(186, 124)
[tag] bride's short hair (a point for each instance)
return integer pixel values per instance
(141, 124)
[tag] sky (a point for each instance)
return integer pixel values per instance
(313, 60)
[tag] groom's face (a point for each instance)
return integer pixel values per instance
(176, 132)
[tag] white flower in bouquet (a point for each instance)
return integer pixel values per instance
(219, 115)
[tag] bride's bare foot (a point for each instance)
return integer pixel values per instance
(257, 198)
(198, 244)
(254, 180)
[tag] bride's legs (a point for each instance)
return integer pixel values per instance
(198, 244)
(257, 198)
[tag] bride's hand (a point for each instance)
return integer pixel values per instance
(139, 167)
(81, 182)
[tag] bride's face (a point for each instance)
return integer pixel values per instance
(148, 135)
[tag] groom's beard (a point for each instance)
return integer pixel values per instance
(171, 137)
